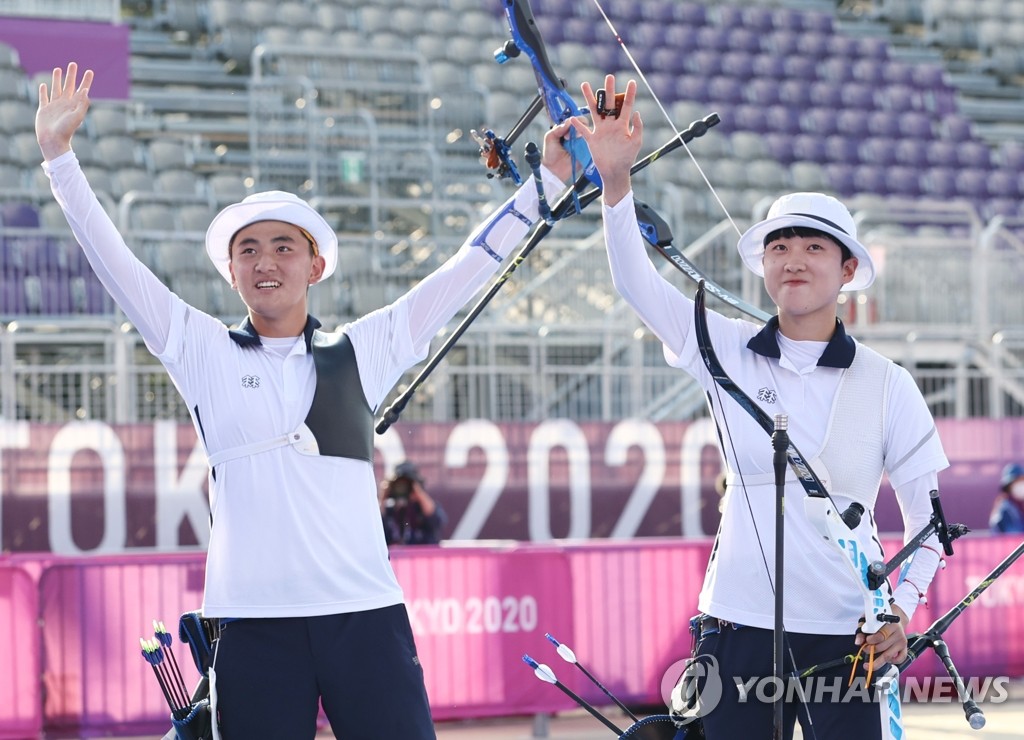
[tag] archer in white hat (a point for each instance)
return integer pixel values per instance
(297, 568)
(858, 414)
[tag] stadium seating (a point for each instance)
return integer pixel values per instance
(804, 103)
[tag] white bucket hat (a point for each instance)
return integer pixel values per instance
(273, 205)
(814, 211)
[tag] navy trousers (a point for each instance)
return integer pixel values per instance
(743, 657)
(272, 675)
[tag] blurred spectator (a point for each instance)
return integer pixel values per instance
(410, 515)
(1008, 511)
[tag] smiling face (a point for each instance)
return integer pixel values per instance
(803, 274)
(272, 265)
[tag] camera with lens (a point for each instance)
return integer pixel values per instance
(400, 488)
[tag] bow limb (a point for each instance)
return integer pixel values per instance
(526, 39)
(834, 527)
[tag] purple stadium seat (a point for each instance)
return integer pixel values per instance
(842, 149)
(904, 180)
(713, 38)
(852, 123)
(639, 35)
(825, 94)
(688, 14)
(725, 89)
(769, 66)
(974, 154)
(670, 61)
(1004, 183)
(878, 151)
(898, 73)
(1011, 155)
(728, 16)
(683, 39)
(972, 183)
(928, 76)
(801, 68)
(870, 71)
(808, 148)
(819, 121)
(739, 64)
(692, 87)
(1009, 207)
(871, 180)
(12, 257)
(816, 45)
(581, 30)
(780, 147)
(794, 92)
(956, 128)
(835, 70)
(12, 296)
(609, 57)
(915, 125)
(624, 12)
(942, 101)
(658, 11)
(19, 216)
(912, 153)
(761, 92)
(758, 18)
(859, 96)
(703, 62)
(787, 19)
(750, 117)
(818, 23)
(939, 182)
(883, 123)
(842, 178)
(743, 39)
(873, 48)
(899, 98)
(845, 47)
(942, 153)
(781, 43)
(782, 119)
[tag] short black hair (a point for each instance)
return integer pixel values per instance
(806, 231)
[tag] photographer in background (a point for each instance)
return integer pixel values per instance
(410, 515)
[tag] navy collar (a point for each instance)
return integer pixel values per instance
(247, 336)
(839, 351)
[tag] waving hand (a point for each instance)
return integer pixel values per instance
(61, 110)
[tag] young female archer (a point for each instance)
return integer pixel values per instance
(856, 415)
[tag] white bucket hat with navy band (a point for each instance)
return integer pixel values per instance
(273, 205)
(814, 211)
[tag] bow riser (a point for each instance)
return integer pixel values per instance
(833, 530)
(551, 89)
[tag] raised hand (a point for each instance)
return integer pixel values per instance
(614, 141)
(61, 110)
(556, 158)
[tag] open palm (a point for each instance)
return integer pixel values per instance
(62, 109)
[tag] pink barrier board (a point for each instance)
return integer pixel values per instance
(20, 700)
(623, 607)
(474, 613)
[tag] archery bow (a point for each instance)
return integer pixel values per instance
(551, 93)
(526, 38)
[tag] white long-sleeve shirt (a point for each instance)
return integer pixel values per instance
(292, 534)
(800, 379)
